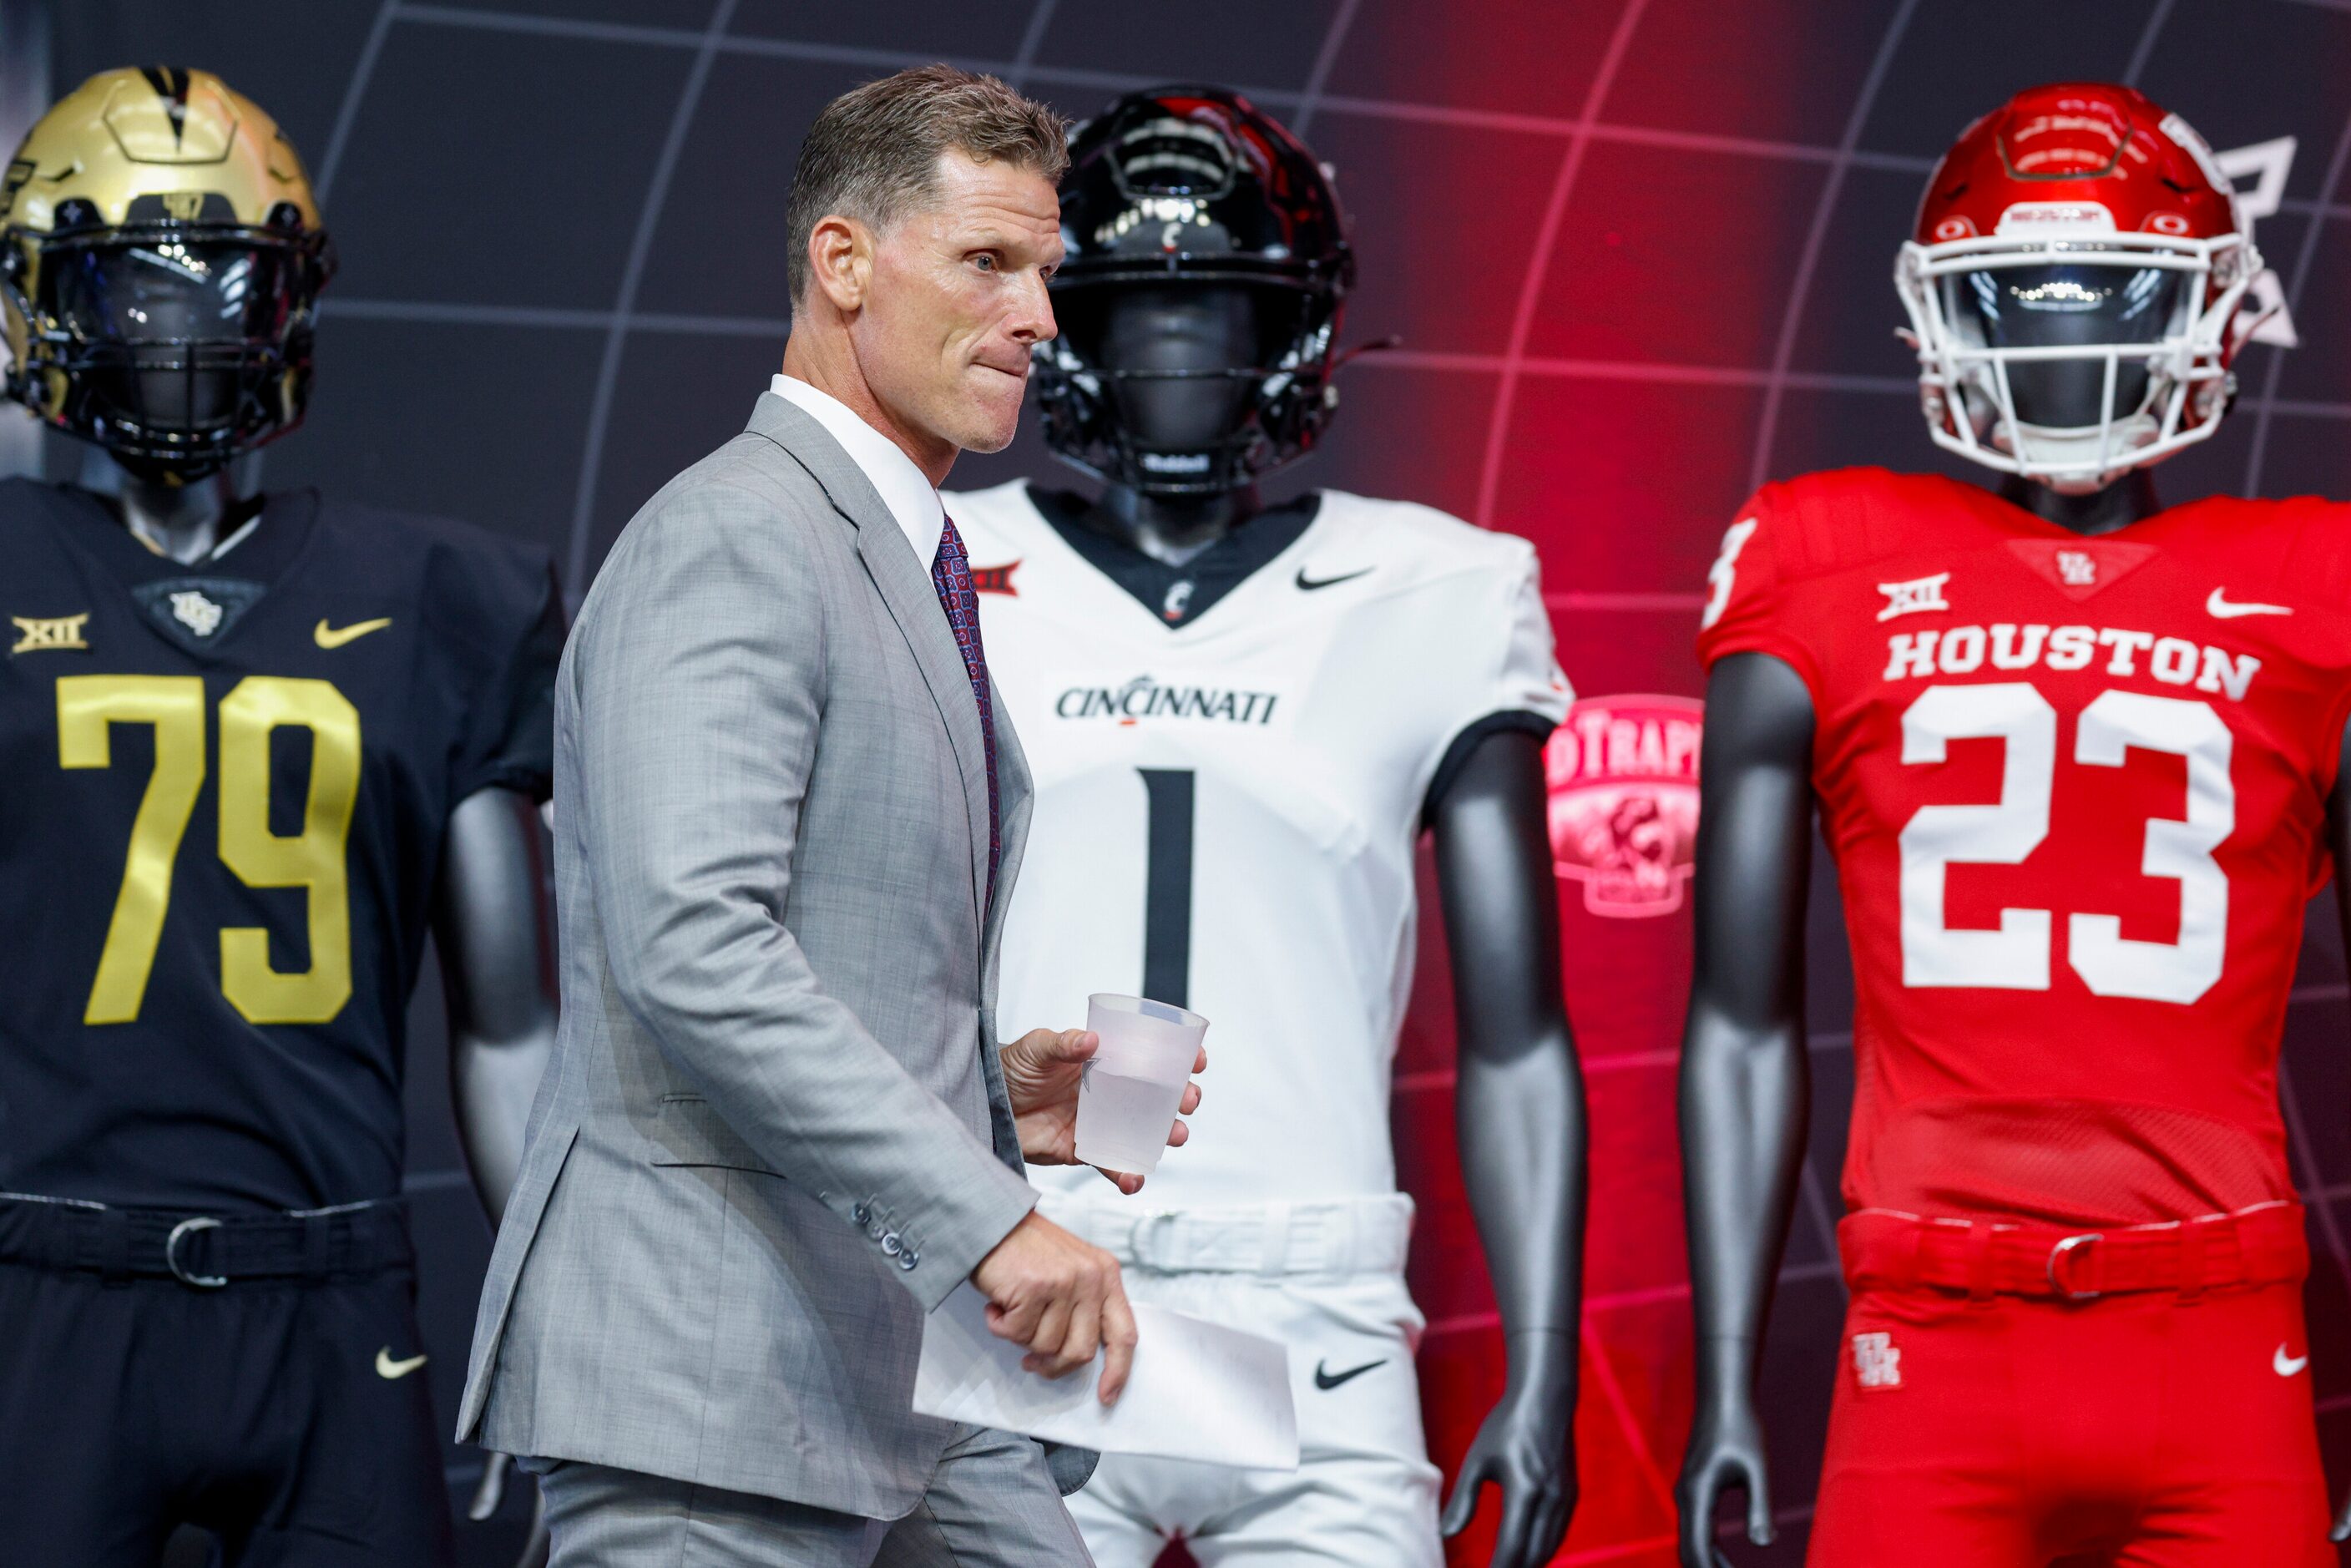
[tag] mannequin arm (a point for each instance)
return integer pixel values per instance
(1519, 1109)
(491, 923)
(1745, 1076)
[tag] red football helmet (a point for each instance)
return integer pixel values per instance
(2073, 286)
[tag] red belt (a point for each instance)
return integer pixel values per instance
(2260, 1246)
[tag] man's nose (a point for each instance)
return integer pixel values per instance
(1032, 313)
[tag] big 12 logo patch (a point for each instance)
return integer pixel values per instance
(1622, 773)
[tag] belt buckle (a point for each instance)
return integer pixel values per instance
(2062, 1257)
(187, 1228)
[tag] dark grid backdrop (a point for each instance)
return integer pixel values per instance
(1638, 251)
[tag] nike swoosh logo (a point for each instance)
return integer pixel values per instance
(1309, 584)
(2219, 608)
(385, 1367)
(2286, 1365)
(1326, 1380)
(328, 636)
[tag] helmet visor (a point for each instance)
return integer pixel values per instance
(172, 330)
(2091, 307)
(170, 290)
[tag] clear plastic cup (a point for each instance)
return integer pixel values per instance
(1127, 1101)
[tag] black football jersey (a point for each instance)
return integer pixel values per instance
(224, 789)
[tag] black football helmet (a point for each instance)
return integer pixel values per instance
(1185, 186)
(160, 259)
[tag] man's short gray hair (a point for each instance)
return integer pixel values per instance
(874, 152)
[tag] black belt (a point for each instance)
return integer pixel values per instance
(203, 1251)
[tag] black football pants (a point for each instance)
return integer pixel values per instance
(291, 1418)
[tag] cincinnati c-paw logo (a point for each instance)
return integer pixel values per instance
(1624, 801)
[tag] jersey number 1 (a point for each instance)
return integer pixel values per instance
(88, 706)
(2016, 956)
(1167, 886)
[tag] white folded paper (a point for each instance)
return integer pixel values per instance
(1198, 1391)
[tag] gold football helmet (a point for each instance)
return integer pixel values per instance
(160, 259)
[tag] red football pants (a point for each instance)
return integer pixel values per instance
(2138, 1430)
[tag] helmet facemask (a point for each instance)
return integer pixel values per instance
(2072, 362)
(1181, 388)
(174, 346)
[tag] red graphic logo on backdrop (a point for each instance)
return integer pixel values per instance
(1624, 801)
(996, 579)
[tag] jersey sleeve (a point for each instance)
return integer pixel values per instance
(510, 735)
(1745, 610)
(1521, 687)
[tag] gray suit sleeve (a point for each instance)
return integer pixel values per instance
(698, 681)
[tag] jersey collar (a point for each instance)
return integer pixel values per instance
(1177, 596)
(280, 530)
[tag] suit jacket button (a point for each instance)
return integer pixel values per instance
(908, 1258)
(891, 1244)
(860, 1214)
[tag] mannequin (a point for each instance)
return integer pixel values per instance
(1746, 1078)
(2077, 314)
(251, 1067)
(489, 918)
(1519, 1100)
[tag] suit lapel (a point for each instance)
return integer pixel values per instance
(907, 592)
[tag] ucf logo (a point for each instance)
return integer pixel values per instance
(36, 635)
(185, 205)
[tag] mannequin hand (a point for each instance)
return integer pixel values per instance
(493, 1489)
(2342, 1530)
(1526, 1447)
(1042, 1070)
(1726, 1453)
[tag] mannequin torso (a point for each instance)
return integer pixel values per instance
(488, 917)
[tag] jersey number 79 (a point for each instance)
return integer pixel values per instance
(88, 706)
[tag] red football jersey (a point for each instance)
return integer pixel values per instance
(2075, 791)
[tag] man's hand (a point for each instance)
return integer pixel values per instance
(1041, 1072)
(1062, 1299)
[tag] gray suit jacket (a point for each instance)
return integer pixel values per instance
(775, 1132)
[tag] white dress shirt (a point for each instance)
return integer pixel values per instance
(903, 489)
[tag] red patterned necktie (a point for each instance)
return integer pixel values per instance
(951, 575)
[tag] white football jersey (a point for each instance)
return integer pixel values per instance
(1227, 809)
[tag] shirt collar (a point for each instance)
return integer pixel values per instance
(914, 504)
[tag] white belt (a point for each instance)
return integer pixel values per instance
(1342, 1236)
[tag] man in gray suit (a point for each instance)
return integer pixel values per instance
(778, 1129)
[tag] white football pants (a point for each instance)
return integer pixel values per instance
(1327, 1280)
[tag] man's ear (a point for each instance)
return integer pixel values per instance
(841, 260)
